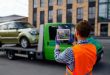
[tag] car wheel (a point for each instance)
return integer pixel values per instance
(24, 42)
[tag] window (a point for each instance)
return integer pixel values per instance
(100, 1)
(104, 10)
(79, 1)
(91, 12)
(50, 2)
(22, 25)
(35, 3)
(50, 16)
(69, 4)
(42, 17)
(69, 1)
(92, 3)
(59, 2)
(103, 14)
(34, 17)
(12, 26)
(4, 27)
(52, 32)
(69, 16)
(80, 13)
(109, 11)
(92, 0)
(59, 15)
(42, 3)
(92, 28)
(104, 30)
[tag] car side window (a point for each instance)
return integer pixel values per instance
(3, 27)
(11, 26)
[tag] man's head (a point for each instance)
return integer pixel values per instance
(82, 29)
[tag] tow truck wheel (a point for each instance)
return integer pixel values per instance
(10, 55)
(0, 44)
(31, 56)
(24, 42)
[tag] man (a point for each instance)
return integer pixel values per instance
(80, 58)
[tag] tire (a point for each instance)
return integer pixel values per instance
(24, 42)
(31, 56)
(99, 57)
(0, 44)
(10, 55)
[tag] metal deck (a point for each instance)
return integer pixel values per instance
(14, 47)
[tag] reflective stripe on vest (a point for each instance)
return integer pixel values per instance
(85, 58)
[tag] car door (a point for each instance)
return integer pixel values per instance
(12, 33)
(3, 33)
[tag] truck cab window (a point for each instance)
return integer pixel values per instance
(52, 32)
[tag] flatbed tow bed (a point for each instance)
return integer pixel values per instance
(12, 50)
(14, 47)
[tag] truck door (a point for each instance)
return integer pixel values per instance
(49, 38)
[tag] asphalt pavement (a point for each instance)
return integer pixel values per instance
(23, 66)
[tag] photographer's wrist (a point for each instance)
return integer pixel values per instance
(57, 46)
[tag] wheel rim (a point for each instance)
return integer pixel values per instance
(24, 43)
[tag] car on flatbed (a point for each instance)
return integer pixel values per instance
(17, 32)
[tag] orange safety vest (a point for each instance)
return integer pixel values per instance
(84, 59)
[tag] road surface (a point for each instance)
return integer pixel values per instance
(23, 66)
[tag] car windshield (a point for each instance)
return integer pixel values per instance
(22, 25)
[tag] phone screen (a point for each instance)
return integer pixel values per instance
(63, 34)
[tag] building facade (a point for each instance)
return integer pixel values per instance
(97, 12)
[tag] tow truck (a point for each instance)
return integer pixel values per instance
(46, 44)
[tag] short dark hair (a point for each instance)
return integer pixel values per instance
(83, 28)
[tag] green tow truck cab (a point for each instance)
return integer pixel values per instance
(49, 40)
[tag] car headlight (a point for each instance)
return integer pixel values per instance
(33, 32)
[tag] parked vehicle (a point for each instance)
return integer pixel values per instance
(46, 43)
(17, 32)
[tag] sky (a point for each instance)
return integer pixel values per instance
(13, 7)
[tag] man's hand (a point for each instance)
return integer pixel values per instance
(71, 40)
(57, 41)
(74, 43)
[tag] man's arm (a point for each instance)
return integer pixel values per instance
(63, 57)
